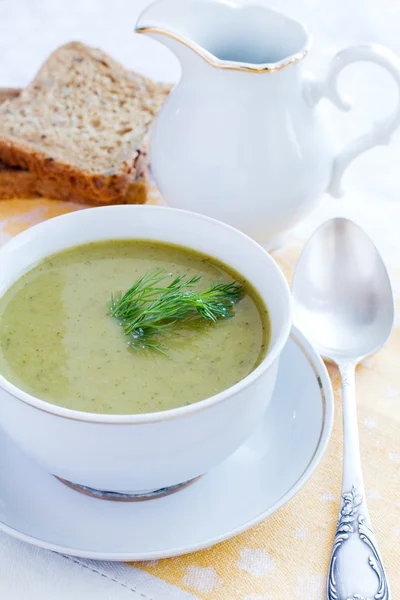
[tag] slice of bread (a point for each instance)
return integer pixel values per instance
(21, 183)
(81, 127)
(16, 182)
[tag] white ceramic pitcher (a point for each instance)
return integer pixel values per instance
(240, 137)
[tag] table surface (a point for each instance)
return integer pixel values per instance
(30, 29)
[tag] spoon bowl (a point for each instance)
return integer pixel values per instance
(343, 301)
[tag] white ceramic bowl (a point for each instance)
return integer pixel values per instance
(142, 453)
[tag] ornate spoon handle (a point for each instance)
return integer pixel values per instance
(355, 571)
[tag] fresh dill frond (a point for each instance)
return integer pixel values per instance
(149, 311)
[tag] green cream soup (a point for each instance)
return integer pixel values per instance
(58, 342)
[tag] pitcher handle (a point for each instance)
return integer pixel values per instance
(380, 132)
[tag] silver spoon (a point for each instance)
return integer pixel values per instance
(343, 303)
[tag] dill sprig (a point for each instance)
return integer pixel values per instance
(149, 310)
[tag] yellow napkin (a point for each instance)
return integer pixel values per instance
(286, 557)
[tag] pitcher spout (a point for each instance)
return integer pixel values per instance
(167, 22)
(226, 34)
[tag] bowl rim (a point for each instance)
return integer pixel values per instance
(174, 413)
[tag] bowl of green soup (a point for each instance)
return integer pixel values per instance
(139, 345)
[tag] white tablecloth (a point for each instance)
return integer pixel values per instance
(30, 29)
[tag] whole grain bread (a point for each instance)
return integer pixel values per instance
(21, 183)
(81, 127)
(16, 182)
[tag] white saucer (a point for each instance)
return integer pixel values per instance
(242, 491)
